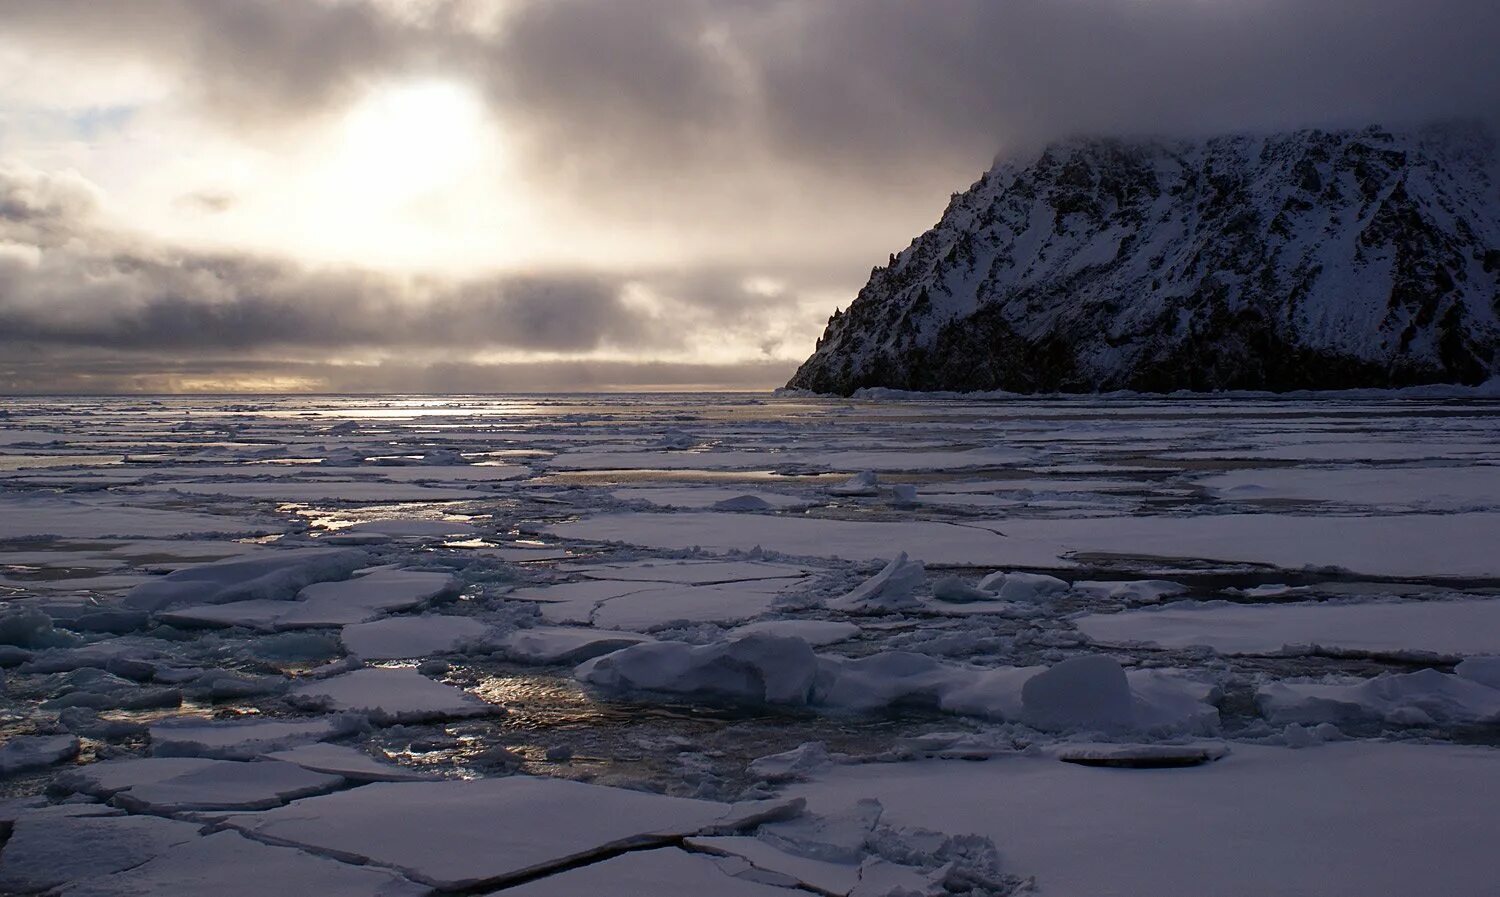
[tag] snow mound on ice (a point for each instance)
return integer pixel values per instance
(1425, 697)
(1080, 693)
(1484, 670)
(763, 669)
(756, 668)
(1023, 587)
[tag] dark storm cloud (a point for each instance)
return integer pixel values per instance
(835, 84)
(245, 59)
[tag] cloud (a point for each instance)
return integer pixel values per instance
(840, 85)
(73, 293)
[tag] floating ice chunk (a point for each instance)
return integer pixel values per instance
(31, 628)
(893, 588)
(243, 739)
(743, 503)
(794, 765)
(462, 835)
(351, 764)
(1484, 670)
(408, 528)
(815, 632)
(904, 495)
(391, 696)
(697, 573)
(324, 604)
(1088, 692)
(1023, 587)
(365, 598)
(1142, 756)
(665, 870)
(892, 678)
(257, 613)
(864, 483)
(1140, 591)
(1421, 698)
(955, 589)
(273, 574)
(46, 850)
(25, 752)
(699, 497)
(753, 668)
(227, 864)
(98, 655)
(401, 637)
(1271, 590)
(228, 785)
(665, 604)
(565, 644)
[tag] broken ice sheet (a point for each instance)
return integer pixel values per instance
(230, 865)
(465, 834)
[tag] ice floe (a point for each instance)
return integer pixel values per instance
(25, 752)
(395, 638)
(1383, 627)
(230, 865)
(243, 739)
(1126, 829)
(390, 696)
(459, 835)
(1423, 698)
(275, 575)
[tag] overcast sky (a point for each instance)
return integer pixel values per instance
(491, 195)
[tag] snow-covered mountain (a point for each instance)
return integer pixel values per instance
(1311, 259)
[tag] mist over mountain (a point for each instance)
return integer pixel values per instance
(1307, 259)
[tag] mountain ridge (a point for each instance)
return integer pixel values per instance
(1303, 260)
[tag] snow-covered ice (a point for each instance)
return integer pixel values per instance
(460, 835)
(1405, 627)
(227, 864)
(1189, 644)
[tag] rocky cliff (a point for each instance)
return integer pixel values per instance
(1312, 259)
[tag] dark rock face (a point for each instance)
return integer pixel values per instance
(1310, 260)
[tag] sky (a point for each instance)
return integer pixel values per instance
(557, 195)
